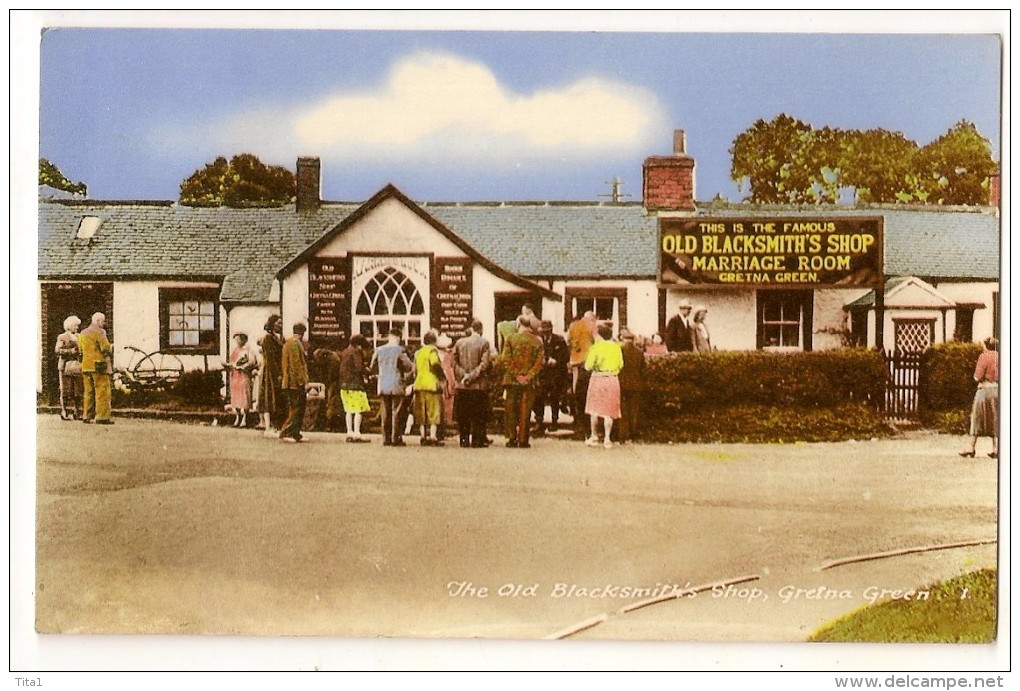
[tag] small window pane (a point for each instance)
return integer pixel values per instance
(176, 338)
(208, 308)
(207, 323)
(190, 338)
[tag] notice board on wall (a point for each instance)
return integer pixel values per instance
(452, 294)
(329, 300)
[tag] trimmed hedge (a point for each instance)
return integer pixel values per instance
(947, 376)
(762, 424)
(765, 397)
(946, 386)
(826, 379)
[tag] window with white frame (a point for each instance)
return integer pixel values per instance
(189, 320)
(608, 304)
(784, 319)
(390, 299)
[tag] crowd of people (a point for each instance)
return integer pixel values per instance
(447, 386)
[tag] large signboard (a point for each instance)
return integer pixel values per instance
(452, 290)
(329, 300)
(782, 252)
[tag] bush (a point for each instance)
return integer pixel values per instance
(765, 424)
(200, 388)
(947, 377)
(826, 379)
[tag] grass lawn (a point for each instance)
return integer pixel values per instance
(961, 610)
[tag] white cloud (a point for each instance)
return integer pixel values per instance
(434, 105)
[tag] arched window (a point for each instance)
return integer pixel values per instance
(390, 299)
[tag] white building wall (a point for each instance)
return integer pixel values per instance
(642, 303)
(831, 322)
(294, 305)
(249, 319)
(136, 323)
(389, 228)
(984, 293)
(393, 229)
(731, 318)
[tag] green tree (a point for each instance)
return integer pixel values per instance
(50, 175)
(879, 165)
(788, 161)
(242, 182)
(954, 169)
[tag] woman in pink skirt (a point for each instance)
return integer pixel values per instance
(241, 365)
(604, 361)
(984, 417)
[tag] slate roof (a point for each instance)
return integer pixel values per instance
(559, 239)
(243, 247)
(246, 247)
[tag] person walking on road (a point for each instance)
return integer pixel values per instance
(984, 416)
(294, 380)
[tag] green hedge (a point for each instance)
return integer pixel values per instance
(946, 386)
(826, 379)
(947, 377)
(765, 397)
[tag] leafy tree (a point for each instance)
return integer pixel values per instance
(788, 161)
(50, 175)
(954, 169)
(242, 182)
(879, 164)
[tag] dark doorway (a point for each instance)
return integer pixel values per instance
(59, 301)
(508, 307)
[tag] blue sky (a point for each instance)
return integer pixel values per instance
(481, 115)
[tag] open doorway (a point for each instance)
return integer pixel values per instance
(59, 301)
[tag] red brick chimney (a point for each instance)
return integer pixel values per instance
(308, 181)
(668, 181)
(995, 188)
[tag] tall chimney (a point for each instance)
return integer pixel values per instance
(995, 187)
(668, 181)
(308, 180)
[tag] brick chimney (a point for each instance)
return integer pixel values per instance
(995, 188)
(668, 181)
(309, 175)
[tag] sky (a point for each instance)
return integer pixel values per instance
(482, 114)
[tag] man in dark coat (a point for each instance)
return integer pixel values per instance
(552, 380)
(632, 387)
(679, 337)
(295, 380)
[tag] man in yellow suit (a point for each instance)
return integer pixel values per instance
(97, 371)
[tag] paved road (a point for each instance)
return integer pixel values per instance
(161, 527)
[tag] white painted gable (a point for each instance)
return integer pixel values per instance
(914, 292)
(391, 228)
